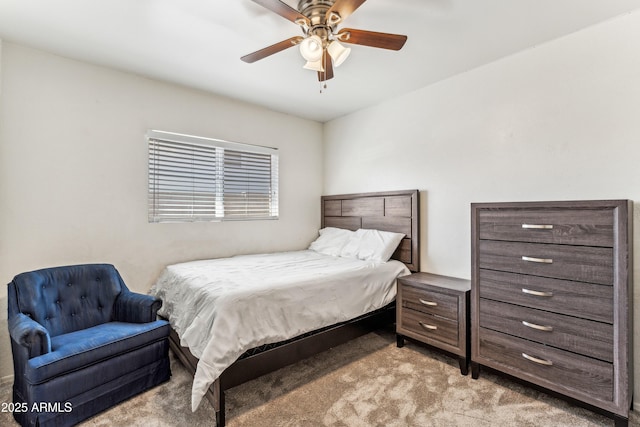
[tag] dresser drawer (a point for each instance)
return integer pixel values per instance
(430, 327)
(584, 300)
(556, 368)
(431, 302)
(587, 227)
(585, 264)
(586, 337)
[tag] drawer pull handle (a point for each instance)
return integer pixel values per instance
(538, 226)
(538, 327)
(429, 303)
(536, 360)
(537, 293)
(539, 260)
(428, 327)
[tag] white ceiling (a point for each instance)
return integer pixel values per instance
(198, 43)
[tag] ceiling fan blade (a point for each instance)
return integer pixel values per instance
(327, 62)
(270, 50)
(284, 10)
(343, 8)
(372, 38)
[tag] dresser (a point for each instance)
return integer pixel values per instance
(551, 298)
(434, 310)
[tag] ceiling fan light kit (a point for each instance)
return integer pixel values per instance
(314, 65)
(319, 44)
(338, 52)
(311, 48)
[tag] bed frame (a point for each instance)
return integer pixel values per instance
(396, 211)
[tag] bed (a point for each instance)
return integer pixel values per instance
(231, 353)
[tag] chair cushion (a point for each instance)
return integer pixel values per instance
(79, 349)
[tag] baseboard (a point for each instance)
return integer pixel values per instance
(6, 380)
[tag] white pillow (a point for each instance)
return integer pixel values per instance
(331, 241)
(372, 245)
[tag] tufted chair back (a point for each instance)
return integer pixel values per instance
(67, 299)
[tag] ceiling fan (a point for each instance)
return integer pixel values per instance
(320, 44)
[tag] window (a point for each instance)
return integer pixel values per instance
(201, 179)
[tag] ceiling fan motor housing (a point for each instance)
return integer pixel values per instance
(315, 10)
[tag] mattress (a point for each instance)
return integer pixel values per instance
(221, 308)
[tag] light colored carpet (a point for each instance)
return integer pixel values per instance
(368, 382)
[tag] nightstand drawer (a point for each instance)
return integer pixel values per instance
(556, 368)
(580, 263)
(585, 227)
(584, 300)
(427, 301)
(593, 339)
(429, 326)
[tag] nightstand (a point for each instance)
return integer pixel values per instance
(434, 310)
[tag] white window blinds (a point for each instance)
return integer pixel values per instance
(202, 179)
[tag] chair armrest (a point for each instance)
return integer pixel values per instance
(30, 335)
(136, 308)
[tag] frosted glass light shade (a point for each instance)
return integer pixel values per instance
(314, 65)
(311, 48)
(338, 52)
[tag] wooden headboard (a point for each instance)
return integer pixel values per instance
(396, 211)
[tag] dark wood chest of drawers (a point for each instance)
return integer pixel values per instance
(434, 310)
(551, 297)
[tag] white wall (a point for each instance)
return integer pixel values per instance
(73, 172)
(559, 121)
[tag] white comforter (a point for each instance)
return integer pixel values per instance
(220, 308)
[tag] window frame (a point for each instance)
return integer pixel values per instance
(211, 181)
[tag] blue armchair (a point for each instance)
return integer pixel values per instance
(81, 342)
